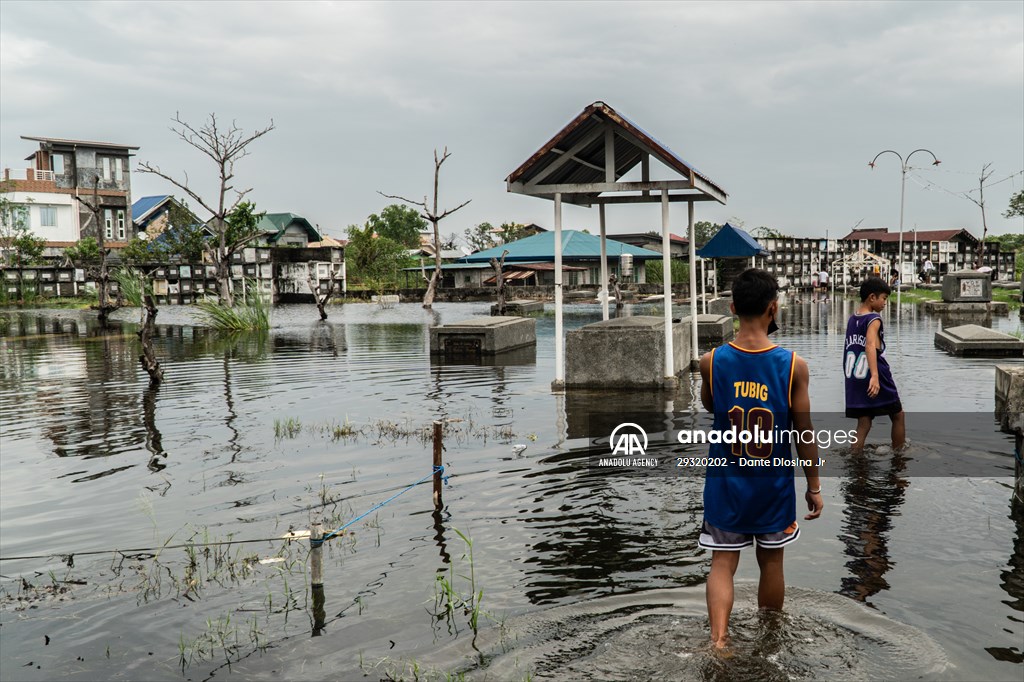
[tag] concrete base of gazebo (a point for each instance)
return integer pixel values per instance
(626, 352)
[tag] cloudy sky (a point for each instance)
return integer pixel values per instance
(782, 104)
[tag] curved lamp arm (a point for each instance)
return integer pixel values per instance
(888, 151)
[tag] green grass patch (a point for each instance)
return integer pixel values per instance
(251, 314)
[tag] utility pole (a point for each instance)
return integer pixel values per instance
(904, 167)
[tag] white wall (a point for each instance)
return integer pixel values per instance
(67, 229)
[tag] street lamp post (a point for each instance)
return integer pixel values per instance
(904, 167)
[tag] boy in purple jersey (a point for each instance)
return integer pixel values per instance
(870, 389)
(751, 384)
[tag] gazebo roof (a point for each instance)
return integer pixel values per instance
(584, 161)
(731, 242)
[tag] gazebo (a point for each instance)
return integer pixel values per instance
(859, 259)
(731, 242)
(583, 165)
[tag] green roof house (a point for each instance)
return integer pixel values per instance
(287, 229)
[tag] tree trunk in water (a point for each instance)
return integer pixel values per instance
(148, 356)
(499, 280)
(321, 301)
(224, 275)
(428, 298)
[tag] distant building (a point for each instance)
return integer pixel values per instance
(59, 171)
(149, 214)
(286, 229)
(948, 250)
(678, 246)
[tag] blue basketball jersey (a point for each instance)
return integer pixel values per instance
(751, 392)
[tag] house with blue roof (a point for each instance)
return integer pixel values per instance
(530, 261)
(149, 214)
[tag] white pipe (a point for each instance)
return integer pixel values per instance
(703, 288)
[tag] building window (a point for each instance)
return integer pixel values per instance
(108, 219)
(120, 225)
(106, 167)
(57, 163)
(119, 170)
(47, 216)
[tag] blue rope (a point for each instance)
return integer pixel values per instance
(436, 470)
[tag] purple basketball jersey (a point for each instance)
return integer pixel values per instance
(855, 365)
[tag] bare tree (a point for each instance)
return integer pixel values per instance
(322, 299)
(99, 273)
(980, 202)
(499, 280)
(224, 146)
(434, 217)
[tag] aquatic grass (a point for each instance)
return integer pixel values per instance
(253, 314)
(131, 285)
(287, 428)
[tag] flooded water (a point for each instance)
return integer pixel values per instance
(582, 576)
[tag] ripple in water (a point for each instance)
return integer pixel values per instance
(663, 634)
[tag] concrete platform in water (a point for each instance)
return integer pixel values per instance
(977, 341)
(626, 352)
(483, 336)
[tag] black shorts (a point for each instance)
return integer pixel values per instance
(887, 410)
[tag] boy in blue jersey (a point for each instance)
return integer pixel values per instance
(870, 389)
(754, 386)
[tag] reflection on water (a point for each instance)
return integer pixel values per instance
(873, 491)
(91, 454)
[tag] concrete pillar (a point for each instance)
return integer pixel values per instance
(693, 286)
(604, 265)
(559, 382)
(666, 278)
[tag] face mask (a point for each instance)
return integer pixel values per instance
(772, 325)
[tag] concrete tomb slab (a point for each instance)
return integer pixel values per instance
(483, 336)
(714, 328)
(520, 307)
(974, 340)
(966, 286)
(625, 352)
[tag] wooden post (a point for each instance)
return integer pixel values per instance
(438, 447)
(316, 558)
(316, 569)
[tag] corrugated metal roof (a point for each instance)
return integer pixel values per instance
(883, 235)
(541, 247)
(588, 163)
(279, 222)
(146, 204)
(80, 143)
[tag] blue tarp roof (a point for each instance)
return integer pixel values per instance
(731, 242)
(575, 245)
(145, 205)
